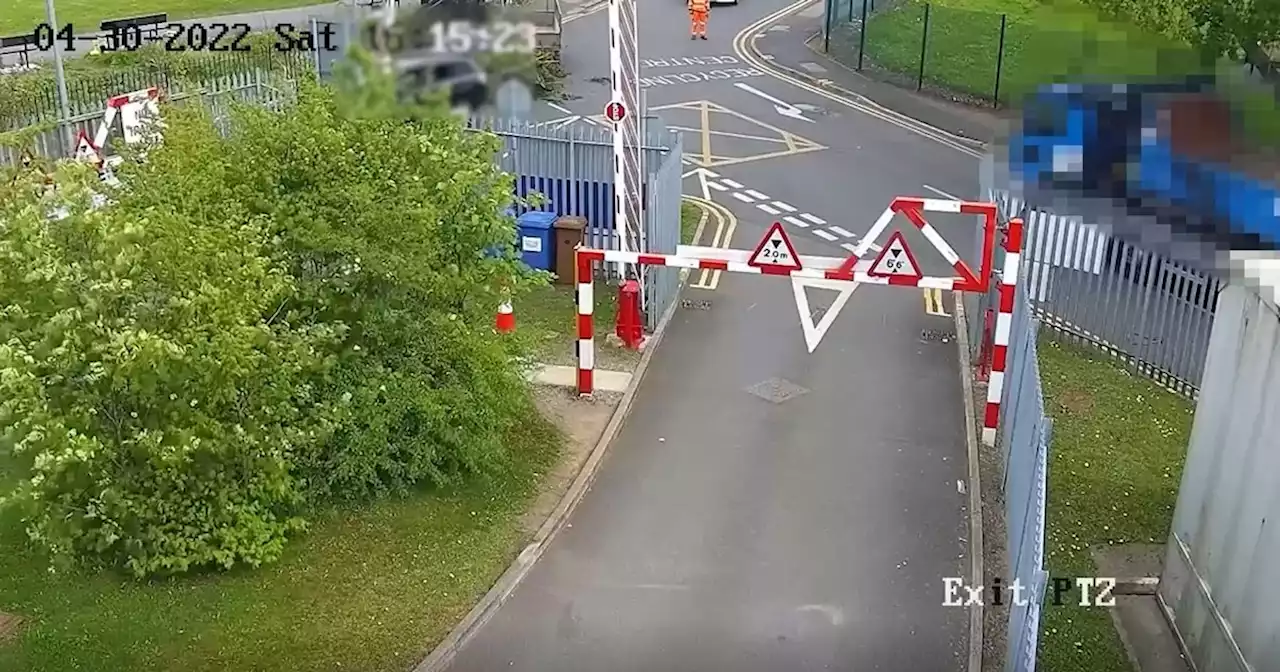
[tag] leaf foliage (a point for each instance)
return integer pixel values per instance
(290, 316)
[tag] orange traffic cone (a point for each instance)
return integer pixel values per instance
(506, 321)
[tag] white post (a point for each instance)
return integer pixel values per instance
(624, 70)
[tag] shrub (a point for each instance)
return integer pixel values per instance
(259, 324)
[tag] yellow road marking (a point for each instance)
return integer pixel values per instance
(726, 224)
(744, 46)
(789, 143)
(933, 303)
(706, 133)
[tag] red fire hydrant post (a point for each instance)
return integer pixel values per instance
(630, 328)
(505, 321)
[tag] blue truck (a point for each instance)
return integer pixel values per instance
(1165, 151)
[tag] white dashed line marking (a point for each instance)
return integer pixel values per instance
(823, 234)
(844, 232)
(730, 183)
(766, 208)
(783, 206)
(743, 197)
(797, 221)
(717, 186)
(816, 220)
(755, 194)
(854, 248)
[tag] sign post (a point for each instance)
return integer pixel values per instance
(624, 71)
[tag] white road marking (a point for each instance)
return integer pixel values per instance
(743, 197)
(731, 183)
(755, 194)
(783, 206)
(854, 248)
(717, 186)
(797, 221)
(823, 234)
(816, 220)
(766, 208)
(844, 232)
(940, 192)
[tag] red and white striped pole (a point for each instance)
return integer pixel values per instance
(586, 344)
(1008, 291)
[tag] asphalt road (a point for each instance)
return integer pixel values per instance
(727, 531)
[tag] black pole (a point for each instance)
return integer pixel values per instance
(924, 44)
(995, 102)
(850, 11)
(826, 27)
(862, 33)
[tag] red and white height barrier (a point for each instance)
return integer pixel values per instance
(852, 269)
(1007, 294)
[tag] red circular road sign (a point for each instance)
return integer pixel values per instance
(615, 111)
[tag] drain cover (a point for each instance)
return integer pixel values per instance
(776, 390)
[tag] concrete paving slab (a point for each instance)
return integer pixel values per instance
(567, 376)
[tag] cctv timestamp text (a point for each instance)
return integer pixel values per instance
(188, 37)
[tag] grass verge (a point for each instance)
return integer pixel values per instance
(22, 16)
(370, 590)
(690, 215)
(1119, 443)
(1044, 42)
(548, 314)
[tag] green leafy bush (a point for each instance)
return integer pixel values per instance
(141, 387)
(295, 314)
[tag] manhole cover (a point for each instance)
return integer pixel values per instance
(776, 390)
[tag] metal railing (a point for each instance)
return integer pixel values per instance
(1151, 314)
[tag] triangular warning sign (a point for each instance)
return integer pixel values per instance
(85, 151)
(775, 254)
(896, 262)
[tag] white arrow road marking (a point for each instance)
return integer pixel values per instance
(781, 106)
(940, 192)
(813, 333)
(704, 175)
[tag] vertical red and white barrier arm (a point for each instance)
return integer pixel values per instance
(585, 345)
(1003, 331)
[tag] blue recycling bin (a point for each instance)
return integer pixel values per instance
(535, 243)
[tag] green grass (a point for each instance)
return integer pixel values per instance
(369, 590)
(22, 16)
(690, 215)
(549, 316)
(1119, 443)
(1044, 42)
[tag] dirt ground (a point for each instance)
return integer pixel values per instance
(995, 619)
(582, 421)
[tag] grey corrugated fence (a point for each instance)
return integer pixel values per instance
(1024, 437)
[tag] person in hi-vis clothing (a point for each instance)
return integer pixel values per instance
(698, 11)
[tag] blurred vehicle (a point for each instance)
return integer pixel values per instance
(466, 82)
(1165, 150)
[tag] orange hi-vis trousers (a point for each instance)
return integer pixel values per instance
(698, 22)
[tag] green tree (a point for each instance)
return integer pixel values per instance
(1235, 28)
(292, 312)
(143, 395)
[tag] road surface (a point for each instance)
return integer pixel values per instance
(764, 508)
